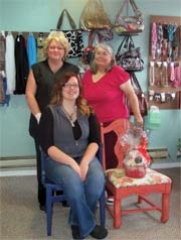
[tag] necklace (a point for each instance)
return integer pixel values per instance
(71, 117)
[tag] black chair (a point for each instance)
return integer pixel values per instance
(51, 197)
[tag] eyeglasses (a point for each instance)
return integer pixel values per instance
(56, 48)
(70, 85)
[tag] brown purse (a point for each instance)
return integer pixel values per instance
(142, 98)
(94, 16)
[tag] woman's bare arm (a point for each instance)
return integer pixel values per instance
(30, 95)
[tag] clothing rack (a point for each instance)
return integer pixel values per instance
(25, 34)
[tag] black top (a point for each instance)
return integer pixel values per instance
(45, 80)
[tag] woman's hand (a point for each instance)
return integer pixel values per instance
(84, 169)
(139, 120)
(75, 166)
(81, 169)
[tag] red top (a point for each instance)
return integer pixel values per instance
(105, 96)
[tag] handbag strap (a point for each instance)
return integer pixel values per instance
(70, 19)
(135, 8)
(123, 46)
(121, 9)
(131, 43)
(92, 37)
(126, 44)
(133, 5)
(135, 82)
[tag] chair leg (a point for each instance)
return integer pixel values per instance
(139, 199)
(49, 211)
(117, 213)
(102, 209)
(165, 207)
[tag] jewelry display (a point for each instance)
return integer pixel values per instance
(164, 73)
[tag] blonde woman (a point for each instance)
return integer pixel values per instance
(39, 87)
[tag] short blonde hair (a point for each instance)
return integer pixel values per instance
(60, 38)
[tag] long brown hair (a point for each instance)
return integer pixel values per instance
(57, 97)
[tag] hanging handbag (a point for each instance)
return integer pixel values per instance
(93, 38)
(105, 34)
(84, 62)
(94, 16)
(129, 24)
(74, 36)
(128, 56)
(142, 98)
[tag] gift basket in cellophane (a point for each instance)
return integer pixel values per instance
(136, 159)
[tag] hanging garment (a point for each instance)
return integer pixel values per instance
(171, 28)
(153, 40)
(21, 63)
(159, 40)
(152, 73)
(40, 45)
(177, 73)
(172, 72)
(175, 45)
(10, 63)
(4, 97)
(31, 50)
(2, 51)
(164, 80)
(1, 89)
(179, 36)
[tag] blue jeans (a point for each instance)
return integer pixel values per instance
(81, 196)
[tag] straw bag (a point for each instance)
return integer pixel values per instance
(94, 16)
(125, 23)
(74, 36)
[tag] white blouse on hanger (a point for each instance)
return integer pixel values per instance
(10, 63)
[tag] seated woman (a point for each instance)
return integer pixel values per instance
(69, 135)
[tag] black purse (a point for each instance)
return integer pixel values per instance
(74, 36)
(128, 56)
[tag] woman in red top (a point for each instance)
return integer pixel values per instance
(106, 86)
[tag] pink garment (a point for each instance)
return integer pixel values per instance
(177, 81)
(153, 40)
(105, 96)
